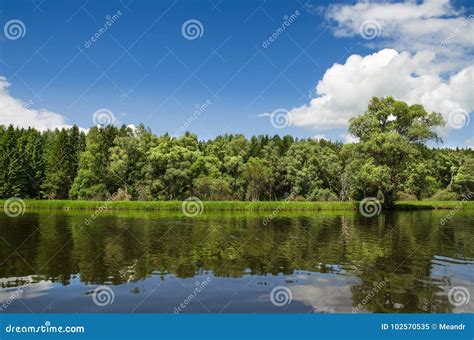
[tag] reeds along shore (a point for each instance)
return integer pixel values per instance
(231, 205)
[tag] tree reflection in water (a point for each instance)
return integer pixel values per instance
(409, 250)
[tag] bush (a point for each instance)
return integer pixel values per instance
(464, 180)
(445, 195)
(121, 195)
(297, 198)
(322, 195)
(212, 189)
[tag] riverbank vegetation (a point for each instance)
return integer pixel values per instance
(207, 206)
(390, 161)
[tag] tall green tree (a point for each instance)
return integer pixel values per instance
(463, 182)
(391, 133)
(62, 163)
(35, 162)
(93, 180)
(12, 178)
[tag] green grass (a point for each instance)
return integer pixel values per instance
(232, 205)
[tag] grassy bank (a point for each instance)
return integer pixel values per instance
(232, 205)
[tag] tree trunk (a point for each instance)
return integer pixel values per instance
(388, 200)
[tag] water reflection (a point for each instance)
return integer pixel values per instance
(331, 262)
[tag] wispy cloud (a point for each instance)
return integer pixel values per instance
(22, 114)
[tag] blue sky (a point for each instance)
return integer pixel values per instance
(143, 70)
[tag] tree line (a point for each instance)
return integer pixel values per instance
(391, 161)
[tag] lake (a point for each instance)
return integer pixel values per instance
(298, 262)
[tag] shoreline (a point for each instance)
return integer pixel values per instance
(233, 205)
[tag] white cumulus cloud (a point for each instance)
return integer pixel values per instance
(410, 26)
(346, 89)
(425, 57)
(19, 113)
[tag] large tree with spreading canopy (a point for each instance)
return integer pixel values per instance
(391, 136)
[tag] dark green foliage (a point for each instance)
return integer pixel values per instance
(463, 182)
(38, 165)
(390, 153)
(62, 163)
(390, 161)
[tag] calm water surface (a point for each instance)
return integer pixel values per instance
(154, 262)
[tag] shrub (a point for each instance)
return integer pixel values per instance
(297, 198)
(121, 195)
(445, 195)
(212, 189)
(322, 195)
(464, 181)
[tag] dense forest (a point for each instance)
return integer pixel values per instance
(391, 161)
